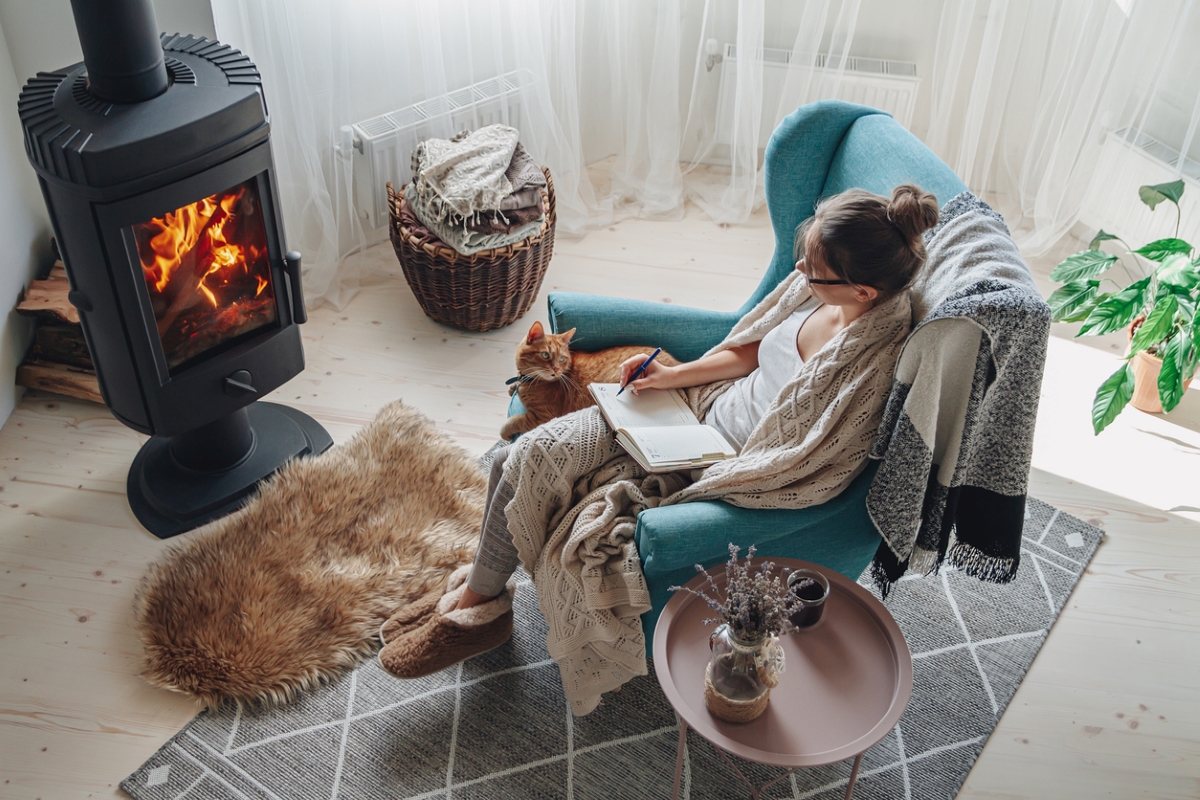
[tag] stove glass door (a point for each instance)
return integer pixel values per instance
(208, 273)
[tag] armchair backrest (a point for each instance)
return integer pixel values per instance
(827, 147)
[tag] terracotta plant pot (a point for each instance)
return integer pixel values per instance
(1145, 383)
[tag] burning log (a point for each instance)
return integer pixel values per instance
(186, 280)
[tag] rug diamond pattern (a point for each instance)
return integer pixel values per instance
(498, 726)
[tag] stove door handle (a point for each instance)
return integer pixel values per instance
(291, 262)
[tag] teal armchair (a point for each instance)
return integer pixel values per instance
(819, 150)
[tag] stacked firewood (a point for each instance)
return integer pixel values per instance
(58, 361)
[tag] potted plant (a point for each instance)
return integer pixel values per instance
(1157, 304)
(747, 658)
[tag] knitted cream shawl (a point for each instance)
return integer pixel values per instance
(577, 494)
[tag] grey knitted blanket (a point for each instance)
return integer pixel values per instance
(957, 436)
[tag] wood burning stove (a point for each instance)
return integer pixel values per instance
(154, 159)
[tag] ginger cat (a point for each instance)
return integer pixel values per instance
(555, 378)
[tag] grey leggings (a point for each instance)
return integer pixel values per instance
(496, 559)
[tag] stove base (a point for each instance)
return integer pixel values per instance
(169, 498)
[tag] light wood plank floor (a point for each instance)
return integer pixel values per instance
(1110, 708)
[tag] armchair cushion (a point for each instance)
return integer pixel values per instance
(672, 540)
(679, 537)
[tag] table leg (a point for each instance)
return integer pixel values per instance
(679, 751)
(853, 775)
(755, 792)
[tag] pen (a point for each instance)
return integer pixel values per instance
(640, 370)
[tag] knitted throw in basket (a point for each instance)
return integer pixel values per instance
(479, 292)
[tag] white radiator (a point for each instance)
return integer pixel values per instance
(381, 147)
(890, 86)
(1113, 203)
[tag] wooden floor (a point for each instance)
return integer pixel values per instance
(1111, 707)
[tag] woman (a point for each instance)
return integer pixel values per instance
(799, 385)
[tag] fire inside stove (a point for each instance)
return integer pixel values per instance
(208, 273)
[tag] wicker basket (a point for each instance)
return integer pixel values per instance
(479, 292)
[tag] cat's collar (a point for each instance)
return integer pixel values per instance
(518, 378)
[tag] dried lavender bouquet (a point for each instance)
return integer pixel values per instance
(757, 603)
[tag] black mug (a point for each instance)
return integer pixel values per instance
(811, 588)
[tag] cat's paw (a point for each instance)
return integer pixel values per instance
(521, 423)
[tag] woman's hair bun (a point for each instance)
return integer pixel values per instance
(912, 210)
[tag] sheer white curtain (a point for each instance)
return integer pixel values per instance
(628, 79)
(817, 35)
(1024, 93)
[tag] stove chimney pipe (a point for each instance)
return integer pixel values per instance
(121, 49)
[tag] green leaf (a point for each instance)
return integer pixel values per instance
(1195, 354)
(1116, 311)
(1178, 271)
(1069, 297)
(1190, 356)
(1162, 248)
(1187, 304)
(1082, 265)
(1085, 310)
(1111, 397)
(1153, 195)
(1157, 326)
(1170, 377)
(1101, 236)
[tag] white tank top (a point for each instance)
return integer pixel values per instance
(737, 411)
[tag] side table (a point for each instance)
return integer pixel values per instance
(846, 681)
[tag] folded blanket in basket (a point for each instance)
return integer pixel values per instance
(458, 192)
(462, 238)
(527, 180)
(509, 221)
(465, 174)
(486, 170)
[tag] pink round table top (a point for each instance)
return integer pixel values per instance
(846, 680)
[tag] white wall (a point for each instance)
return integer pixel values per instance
(24, 230)
(41, 36)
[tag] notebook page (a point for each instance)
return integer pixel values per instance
(678, 444)
(653, 407)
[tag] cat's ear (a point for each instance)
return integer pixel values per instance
(566, 337)
(535, 333)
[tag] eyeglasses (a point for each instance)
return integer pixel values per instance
(821, 281)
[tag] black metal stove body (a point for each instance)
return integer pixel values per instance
(155, 162)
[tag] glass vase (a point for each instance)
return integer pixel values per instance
(741, 674)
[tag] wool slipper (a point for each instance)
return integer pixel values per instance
(451, 635)
(417, 613)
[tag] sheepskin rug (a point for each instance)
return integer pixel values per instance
(292, 588)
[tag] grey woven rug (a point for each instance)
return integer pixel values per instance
(498, 726)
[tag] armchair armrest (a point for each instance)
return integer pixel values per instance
(686, 333)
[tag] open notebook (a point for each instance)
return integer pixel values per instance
(659, 430)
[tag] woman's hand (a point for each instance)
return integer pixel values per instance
(737, 362)
(656, 376)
